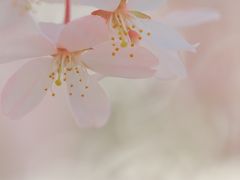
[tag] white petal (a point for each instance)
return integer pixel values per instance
(190, 18)
(89, 103)
(170, 65)
(140, 65)
(20, 36)
(163, 36)
(109, 5)
(25, 89)
(144, 4)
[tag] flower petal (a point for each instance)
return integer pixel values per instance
(83, 33)
(191, 18)
(163, 36)
(89, 103)
(144, 4)
(132, 62)
(109, 5)
(20, 36)
(170, 65)
(51, 31)
(25, 89)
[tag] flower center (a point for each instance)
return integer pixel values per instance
(123, 26)
(65, 64)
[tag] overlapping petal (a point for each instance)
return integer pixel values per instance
(144, 5)
(25, 89)
(170, 65)
(189, 18)
(163, 36)
(89, 103)
(51, 31)
(109, 5)
(20, 36)
(83, 33)
(134, 62)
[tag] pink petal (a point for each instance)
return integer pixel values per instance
(25, 89)
(132, 62)
(51, 31)
(109, 5)
(89, 103)
(145, 4)
(163, 36)
(189, 18)
(83, 33)
(20, 36)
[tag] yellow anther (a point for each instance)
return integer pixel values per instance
(124, 44)
(113, 54)
(58, 82)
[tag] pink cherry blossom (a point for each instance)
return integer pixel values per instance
(130, 26)
(63, 54)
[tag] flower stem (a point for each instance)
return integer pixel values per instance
(67, 17)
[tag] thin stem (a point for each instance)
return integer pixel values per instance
(67, 17)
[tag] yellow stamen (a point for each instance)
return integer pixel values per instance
(124, 44)
(58, 82)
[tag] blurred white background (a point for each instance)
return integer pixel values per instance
(177, 130)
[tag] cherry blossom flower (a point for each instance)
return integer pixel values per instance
(63, 54)
(130, 26)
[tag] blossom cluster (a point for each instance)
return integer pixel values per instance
(117, 40)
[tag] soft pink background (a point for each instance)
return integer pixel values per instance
(175, 130)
